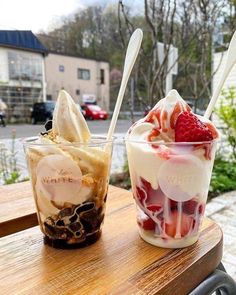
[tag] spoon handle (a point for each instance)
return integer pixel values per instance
(130, 58)
(230, 61)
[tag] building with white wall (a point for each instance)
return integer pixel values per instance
(87, 80)
(22, 76)
(29, 74)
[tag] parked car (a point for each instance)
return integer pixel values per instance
(94, 112)
(82, 111)
(42, 111)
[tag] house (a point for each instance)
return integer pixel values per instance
(22, 76)
(29, 73)
(87, 80)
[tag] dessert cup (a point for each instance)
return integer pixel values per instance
(170, 182)
(69, 183)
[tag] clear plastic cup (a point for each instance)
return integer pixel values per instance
(170, 183)
(69, 183)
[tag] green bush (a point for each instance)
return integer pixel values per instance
(9, 171)
(227, 114)
(122, 179)
(223, 177)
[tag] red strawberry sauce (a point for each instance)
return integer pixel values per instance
(160, 214)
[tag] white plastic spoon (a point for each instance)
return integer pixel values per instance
(230, 61)
(131, 55)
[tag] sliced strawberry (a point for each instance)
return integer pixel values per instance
(207, 147)
(170, 229)
(186, 223)
(153, 134)
(146, 184)
(173, 205)
(144, 190)
(165, 154)
(154, 207)
(141, 194)
(147, 223)
(190, 206)
(201, 209)
(189, 128)
(154, 115)
(147, 193)
(214, 131)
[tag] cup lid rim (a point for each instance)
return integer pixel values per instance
(95, 140)
(162, 142)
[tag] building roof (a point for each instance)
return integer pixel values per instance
(78, 56)
(25, 40)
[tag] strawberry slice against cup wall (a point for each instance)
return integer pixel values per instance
(171, 153)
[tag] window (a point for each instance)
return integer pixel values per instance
(102, 76)
(84, 74)
(77, 92)
(24, 66)
(61, 68)
(50, 105)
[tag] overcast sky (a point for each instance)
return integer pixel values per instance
(38, 15)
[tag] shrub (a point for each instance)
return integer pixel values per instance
(227, 114)
(9, 171)
(223, 176)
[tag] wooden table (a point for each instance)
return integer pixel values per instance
(17, 209)
(119, 263)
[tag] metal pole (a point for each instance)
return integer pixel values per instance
(44, 83)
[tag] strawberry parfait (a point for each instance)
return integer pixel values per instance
(171, 154)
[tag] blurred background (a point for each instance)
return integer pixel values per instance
(80, 46)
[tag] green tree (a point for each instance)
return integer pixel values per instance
(227, 113)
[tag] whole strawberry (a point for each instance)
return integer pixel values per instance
(189, 128)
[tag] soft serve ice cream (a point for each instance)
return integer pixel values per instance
(69, 175)
(171, 153)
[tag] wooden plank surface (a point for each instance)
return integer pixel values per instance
(17, 208)
(119, 263)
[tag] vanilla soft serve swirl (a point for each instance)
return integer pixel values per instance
(63, 173)
(68, 121)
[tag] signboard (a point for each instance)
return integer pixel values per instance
(89, 98)
(172, 66)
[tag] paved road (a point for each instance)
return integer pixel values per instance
(96, 127)
(27, 130)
